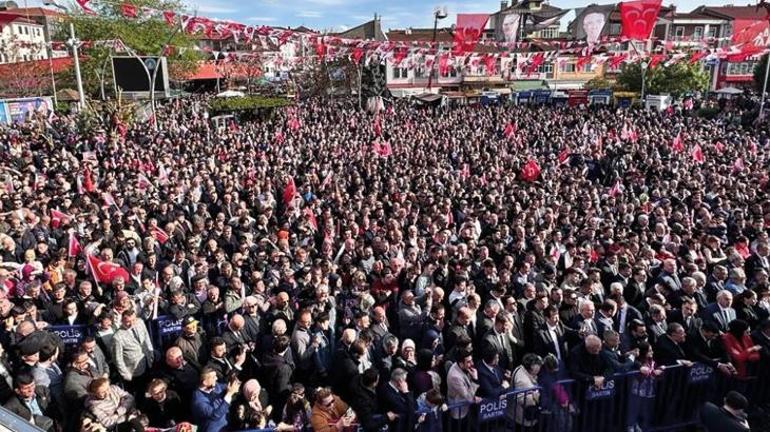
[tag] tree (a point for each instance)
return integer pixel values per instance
(145, 36)
(597, 83)
(36, 77)
(676, 79)
(759, 73)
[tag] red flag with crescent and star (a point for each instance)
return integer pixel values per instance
(638, 18)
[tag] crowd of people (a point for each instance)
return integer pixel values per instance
(323, 283)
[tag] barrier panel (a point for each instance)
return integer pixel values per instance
(625, 402)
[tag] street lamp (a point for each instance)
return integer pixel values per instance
(439, 13)
(644, 76)
(74, 43)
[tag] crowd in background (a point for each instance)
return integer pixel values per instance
(332, 268)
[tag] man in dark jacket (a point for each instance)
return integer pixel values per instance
(669, 350)
(163, 407)
(181, 375)
(31, 402)
(364, 401)
(191, 343)
(278, 368)
(587, 365)
(730, 417)
(396, 398)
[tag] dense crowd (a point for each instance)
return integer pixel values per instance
(323, 282)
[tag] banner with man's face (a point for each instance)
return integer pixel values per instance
(508, 28)
(592, 22)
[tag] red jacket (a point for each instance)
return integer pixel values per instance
(739, 353)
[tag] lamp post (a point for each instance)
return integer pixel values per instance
(438, 14)
(644, 79)
(74, 43)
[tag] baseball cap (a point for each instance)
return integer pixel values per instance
(188, 320)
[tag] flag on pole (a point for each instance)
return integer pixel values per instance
(530, 172)
(510, 130)
(308, 212)
(109, 200)
(289, 191)
(58, 218)
(377, 126)
(74, 249)
(697, 154)
(105, 271)
(677, 145)
(738, 165)
(719, 147)
(616, 189)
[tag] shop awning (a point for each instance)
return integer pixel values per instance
(520, 85)
(428, 97)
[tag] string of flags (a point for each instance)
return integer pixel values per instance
(638, 19)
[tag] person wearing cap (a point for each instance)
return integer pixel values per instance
(730, 417)
(192, 342)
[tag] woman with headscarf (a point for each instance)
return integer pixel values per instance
(406, 359)
(740, 348)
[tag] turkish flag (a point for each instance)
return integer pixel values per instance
(530, 172)
(289, 191)
(719, 147)
(311, 218)
(638, 18)
(616, 189)
(84, 5)
(159, 235)
(697, 154)
(509, 130)
(677, 145)
(377, 126)
(58, 218)
(738, 166)
(105, 271)
(128, 10)
(443, 65)
(74, 249)
(564, 155)
(468, 32)
(358, 53)
(169, 17)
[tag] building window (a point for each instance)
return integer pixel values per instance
(549, 33)
(614, 29)
(742, 68)
(588, 67)
(679, 32)
(400, 73)
(712, 33)
(697, 34)
(546, 68)
(567, 67)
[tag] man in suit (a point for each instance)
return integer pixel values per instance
(96, 358)
(499, 338)
(552, 338)
(366, 403)
(758, 260)
(605, 319)
(133, 352)
(716, 282)
(486, 318)
(636, 334)
(533, 318)
(721, 311)
(620, 362)
(462, 384)
(223, 364)
(668, 277)
(669, 350)
(278, 368)
(625, 313)
(235, 336)
(586, 365)
(458, 328)
(656, 323)
(584, 323)
(689, 289)
(32, 403)
(396, 398)
(687, 316)
(730, 417)
(492, 379)
(761, 337)
(705, 346)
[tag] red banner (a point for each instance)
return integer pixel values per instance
(468, 32)
(638, 18)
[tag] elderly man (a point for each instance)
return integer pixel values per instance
(587, 364)
(720, 312)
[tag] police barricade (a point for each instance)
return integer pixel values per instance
(165, 329)
(71, 336)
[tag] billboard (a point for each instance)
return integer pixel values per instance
(591, 24)
(19, 110)
(508, 27)
(130, 74)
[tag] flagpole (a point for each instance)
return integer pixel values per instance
(764, 86)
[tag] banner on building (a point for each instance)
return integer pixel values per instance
(20, 110)
(591, 23)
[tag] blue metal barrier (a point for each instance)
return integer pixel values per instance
(628, 401)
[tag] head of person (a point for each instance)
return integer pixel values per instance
(735, 402)
(208, 379)
(128, 318)
(738, 328)
(370, 378)
(709, 330)
(218, 348)
(156, 390)
(676, 332)
(99, 388)
(724, 299)
(24, 386)
(324, 399)
(532, 363)
(174, 358)
(611, 339)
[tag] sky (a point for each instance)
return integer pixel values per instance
(340, 15)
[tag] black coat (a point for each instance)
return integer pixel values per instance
(18, 407)
(668, 352)
(584, 366)
(277, 371)
(365, 403)
(717, 419)
(167, 413)
(402, 404)
(697, 349)
(344, 372)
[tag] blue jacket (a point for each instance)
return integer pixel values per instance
(209, 410)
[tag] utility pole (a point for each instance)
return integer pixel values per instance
(73, 42)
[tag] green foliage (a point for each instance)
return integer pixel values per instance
(246, 103)
(597, 83)
(759, 73)
(709, 113)
(147, 36)
(676, 80)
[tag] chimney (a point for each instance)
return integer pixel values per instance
(503, 4)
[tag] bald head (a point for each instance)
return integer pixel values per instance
(25, 328)
(593, 344)
(237, 322)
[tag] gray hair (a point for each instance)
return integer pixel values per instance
(398, 375)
